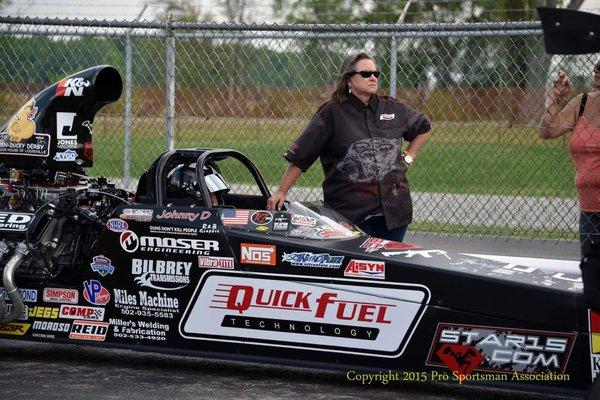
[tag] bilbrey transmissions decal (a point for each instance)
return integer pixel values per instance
(367, 318)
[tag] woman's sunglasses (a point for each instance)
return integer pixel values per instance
(367, 74)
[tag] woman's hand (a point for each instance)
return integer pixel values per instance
(560, 88)
(276, 201)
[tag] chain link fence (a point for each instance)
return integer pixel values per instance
(254, 88)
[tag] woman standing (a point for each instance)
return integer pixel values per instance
(581, 117)
(358, 137)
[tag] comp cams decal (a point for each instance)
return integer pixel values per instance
(465, 348)
(81, 312)
(376, 319)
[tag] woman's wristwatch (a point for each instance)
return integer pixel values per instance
(408, 160)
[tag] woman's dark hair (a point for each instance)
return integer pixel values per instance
(348, 67)
(597, 67)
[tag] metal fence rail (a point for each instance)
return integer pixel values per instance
(254, 88)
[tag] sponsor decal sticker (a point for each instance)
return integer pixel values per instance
(137, 214)
(281, 222)
(234, 217)
(60, 295)
(158, 305)
(374, 319)
(65, 156)
(594, 321)
(258, 254)
(8, 307)
(38, 145)
(365, 269)
(51, 326)
(89, 330)
(155, 331)
(71, 87)
(467, 348)
(28, 295)
(302, 220)
(14, 221)
(413, 253)
(375, 244)
(261, 228)
(43, 312)
(95, 293)
(387, 117)
(131, 243)
(320, 260)
(161, 274)
(215, 262)
(14, 328)
(187, 216)
(102, 265)
(81, 312)
(261, 218)
(117, 225)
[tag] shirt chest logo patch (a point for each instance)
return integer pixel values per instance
(387, 117)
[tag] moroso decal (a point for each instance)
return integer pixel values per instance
(95, 293)
(465, 348)
(81, 312)
(373, 244)
(594, 321)
(258, 254)
(89, 330)
(369, 318)
(60, 295)
(14, 328)
(365, 269)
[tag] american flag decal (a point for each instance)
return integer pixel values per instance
(234, 217)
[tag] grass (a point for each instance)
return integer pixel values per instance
(469, 159)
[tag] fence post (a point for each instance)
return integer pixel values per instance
(128, 83)
(170, 43)
(394, 52)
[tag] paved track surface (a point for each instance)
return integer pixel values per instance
(65, 372)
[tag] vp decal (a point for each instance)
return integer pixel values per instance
(95, 293)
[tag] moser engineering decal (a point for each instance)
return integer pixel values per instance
(365, 269)
(320, 260)
(130, 242)
(161, 274)
(28, 295)
(89, 330)
(594, 321)
(14, 328)
(375, 319)
(465, 348)
(258, 254)
(60, 295)
(13, 221)
(81, 312)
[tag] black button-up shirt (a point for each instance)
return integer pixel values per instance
(360, 150)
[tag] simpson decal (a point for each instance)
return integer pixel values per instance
(375, 319)
(60, 295)
(465, 348)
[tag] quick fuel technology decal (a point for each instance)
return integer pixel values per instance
(369, 318)
(465, 348)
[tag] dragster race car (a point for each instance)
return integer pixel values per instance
(186, 266)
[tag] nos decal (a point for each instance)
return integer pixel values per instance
(366, 318)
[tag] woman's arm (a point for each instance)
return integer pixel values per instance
(291, 175)
(558, 118)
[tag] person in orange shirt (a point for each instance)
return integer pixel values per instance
(581, 117)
